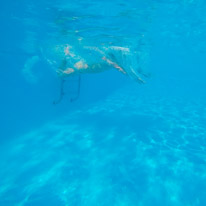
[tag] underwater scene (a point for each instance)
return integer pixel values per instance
(103, 103)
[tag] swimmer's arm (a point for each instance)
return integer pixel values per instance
(136, 77)
(114, 64)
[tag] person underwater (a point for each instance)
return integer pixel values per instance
(106, 58)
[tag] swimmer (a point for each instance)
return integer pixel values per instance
(79, 65)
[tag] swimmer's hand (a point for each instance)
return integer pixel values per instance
(65, 72)
(141, 81)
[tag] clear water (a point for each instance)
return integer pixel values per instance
(120, 143)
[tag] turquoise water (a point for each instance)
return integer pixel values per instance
(119, 142)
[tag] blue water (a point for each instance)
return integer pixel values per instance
(121, 143)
